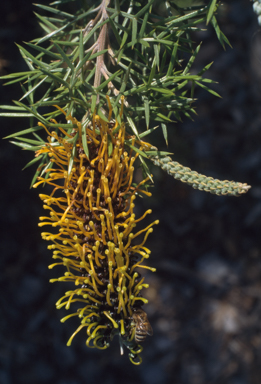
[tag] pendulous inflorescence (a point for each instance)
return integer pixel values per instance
(91, 209)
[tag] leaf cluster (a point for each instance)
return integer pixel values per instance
(147, 58)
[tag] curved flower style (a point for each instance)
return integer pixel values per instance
(93, 208)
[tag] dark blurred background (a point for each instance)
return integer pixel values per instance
(205, 298)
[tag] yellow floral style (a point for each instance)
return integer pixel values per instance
(92, 209)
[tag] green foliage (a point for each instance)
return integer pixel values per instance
(142, 50)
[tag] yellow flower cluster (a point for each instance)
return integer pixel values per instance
(92, 208)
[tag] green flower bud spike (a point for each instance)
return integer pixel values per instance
(197, 180)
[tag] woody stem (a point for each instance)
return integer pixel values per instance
(101, 44)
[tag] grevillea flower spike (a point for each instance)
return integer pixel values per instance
(128, 49)
(92, 211)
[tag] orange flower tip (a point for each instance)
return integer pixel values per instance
(157, 222)
(146, 285)
(145, 301)
(131, 297)
(52, 280)
(67, 274)
(40, 224)
(153, 269)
